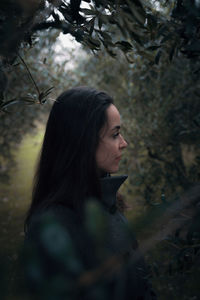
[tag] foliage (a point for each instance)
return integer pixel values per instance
(160, 108)
(159, 101)
(19, 117)
(160, 111)
(56, 268)
(148, 28)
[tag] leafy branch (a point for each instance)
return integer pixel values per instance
(29, 99)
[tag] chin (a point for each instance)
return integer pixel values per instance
(113, 171)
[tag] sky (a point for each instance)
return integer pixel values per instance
(66, 45)
(68, 48)
(66, 41)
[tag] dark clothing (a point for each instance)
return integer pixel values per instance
(68, 248)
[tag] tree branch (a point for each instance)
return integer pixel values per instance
(37, 88)
(66, 28)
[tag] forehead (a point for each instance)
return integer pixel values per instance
(113, 116)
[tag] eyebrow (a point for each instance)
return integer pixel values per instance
(116, 127)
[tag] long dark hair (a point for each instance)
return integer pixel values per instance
(67, 171)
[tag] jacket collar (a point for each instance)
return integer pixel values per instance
(109, 188)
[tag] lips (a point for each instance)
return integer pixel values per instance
(119, 157)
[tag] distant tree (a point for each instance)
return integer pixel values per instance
(19, 116)
(160, 112)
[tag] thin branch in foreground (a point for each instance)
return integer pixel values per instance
(32, 79)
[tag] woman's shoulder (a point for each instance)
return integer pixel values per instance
(54, 216)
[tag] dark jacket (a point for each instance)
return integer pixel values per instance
(68, 258)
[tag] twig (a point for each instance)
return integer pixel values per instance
(37, 88)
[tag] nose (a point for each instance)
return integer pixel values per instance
(123, 143)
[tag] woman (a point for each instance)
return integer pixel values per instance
(82, 146)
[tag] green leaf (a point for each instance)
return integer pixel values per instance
(92, 26)
(171, 54)
(193, 47)
(110, 52)
(107, 39)
(130, 60)
(148, 55)
(124, 46)
(9, 103)
(162, 29)
(89, 12)
(100, 22)
(138, 13)
(157, 57)
(167, 37)
(152, 48)
(28, 99)
(136, 37)
(94, 42)
(105, 36)
(151, 22)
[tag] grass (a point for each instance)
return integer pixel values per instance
(14, 202)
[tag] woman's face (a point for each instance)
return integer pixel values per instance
(111, 144)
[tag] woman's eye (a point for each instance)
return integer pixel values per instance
(115, 135)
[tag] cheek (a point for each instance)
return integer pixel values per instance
(103, 154)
